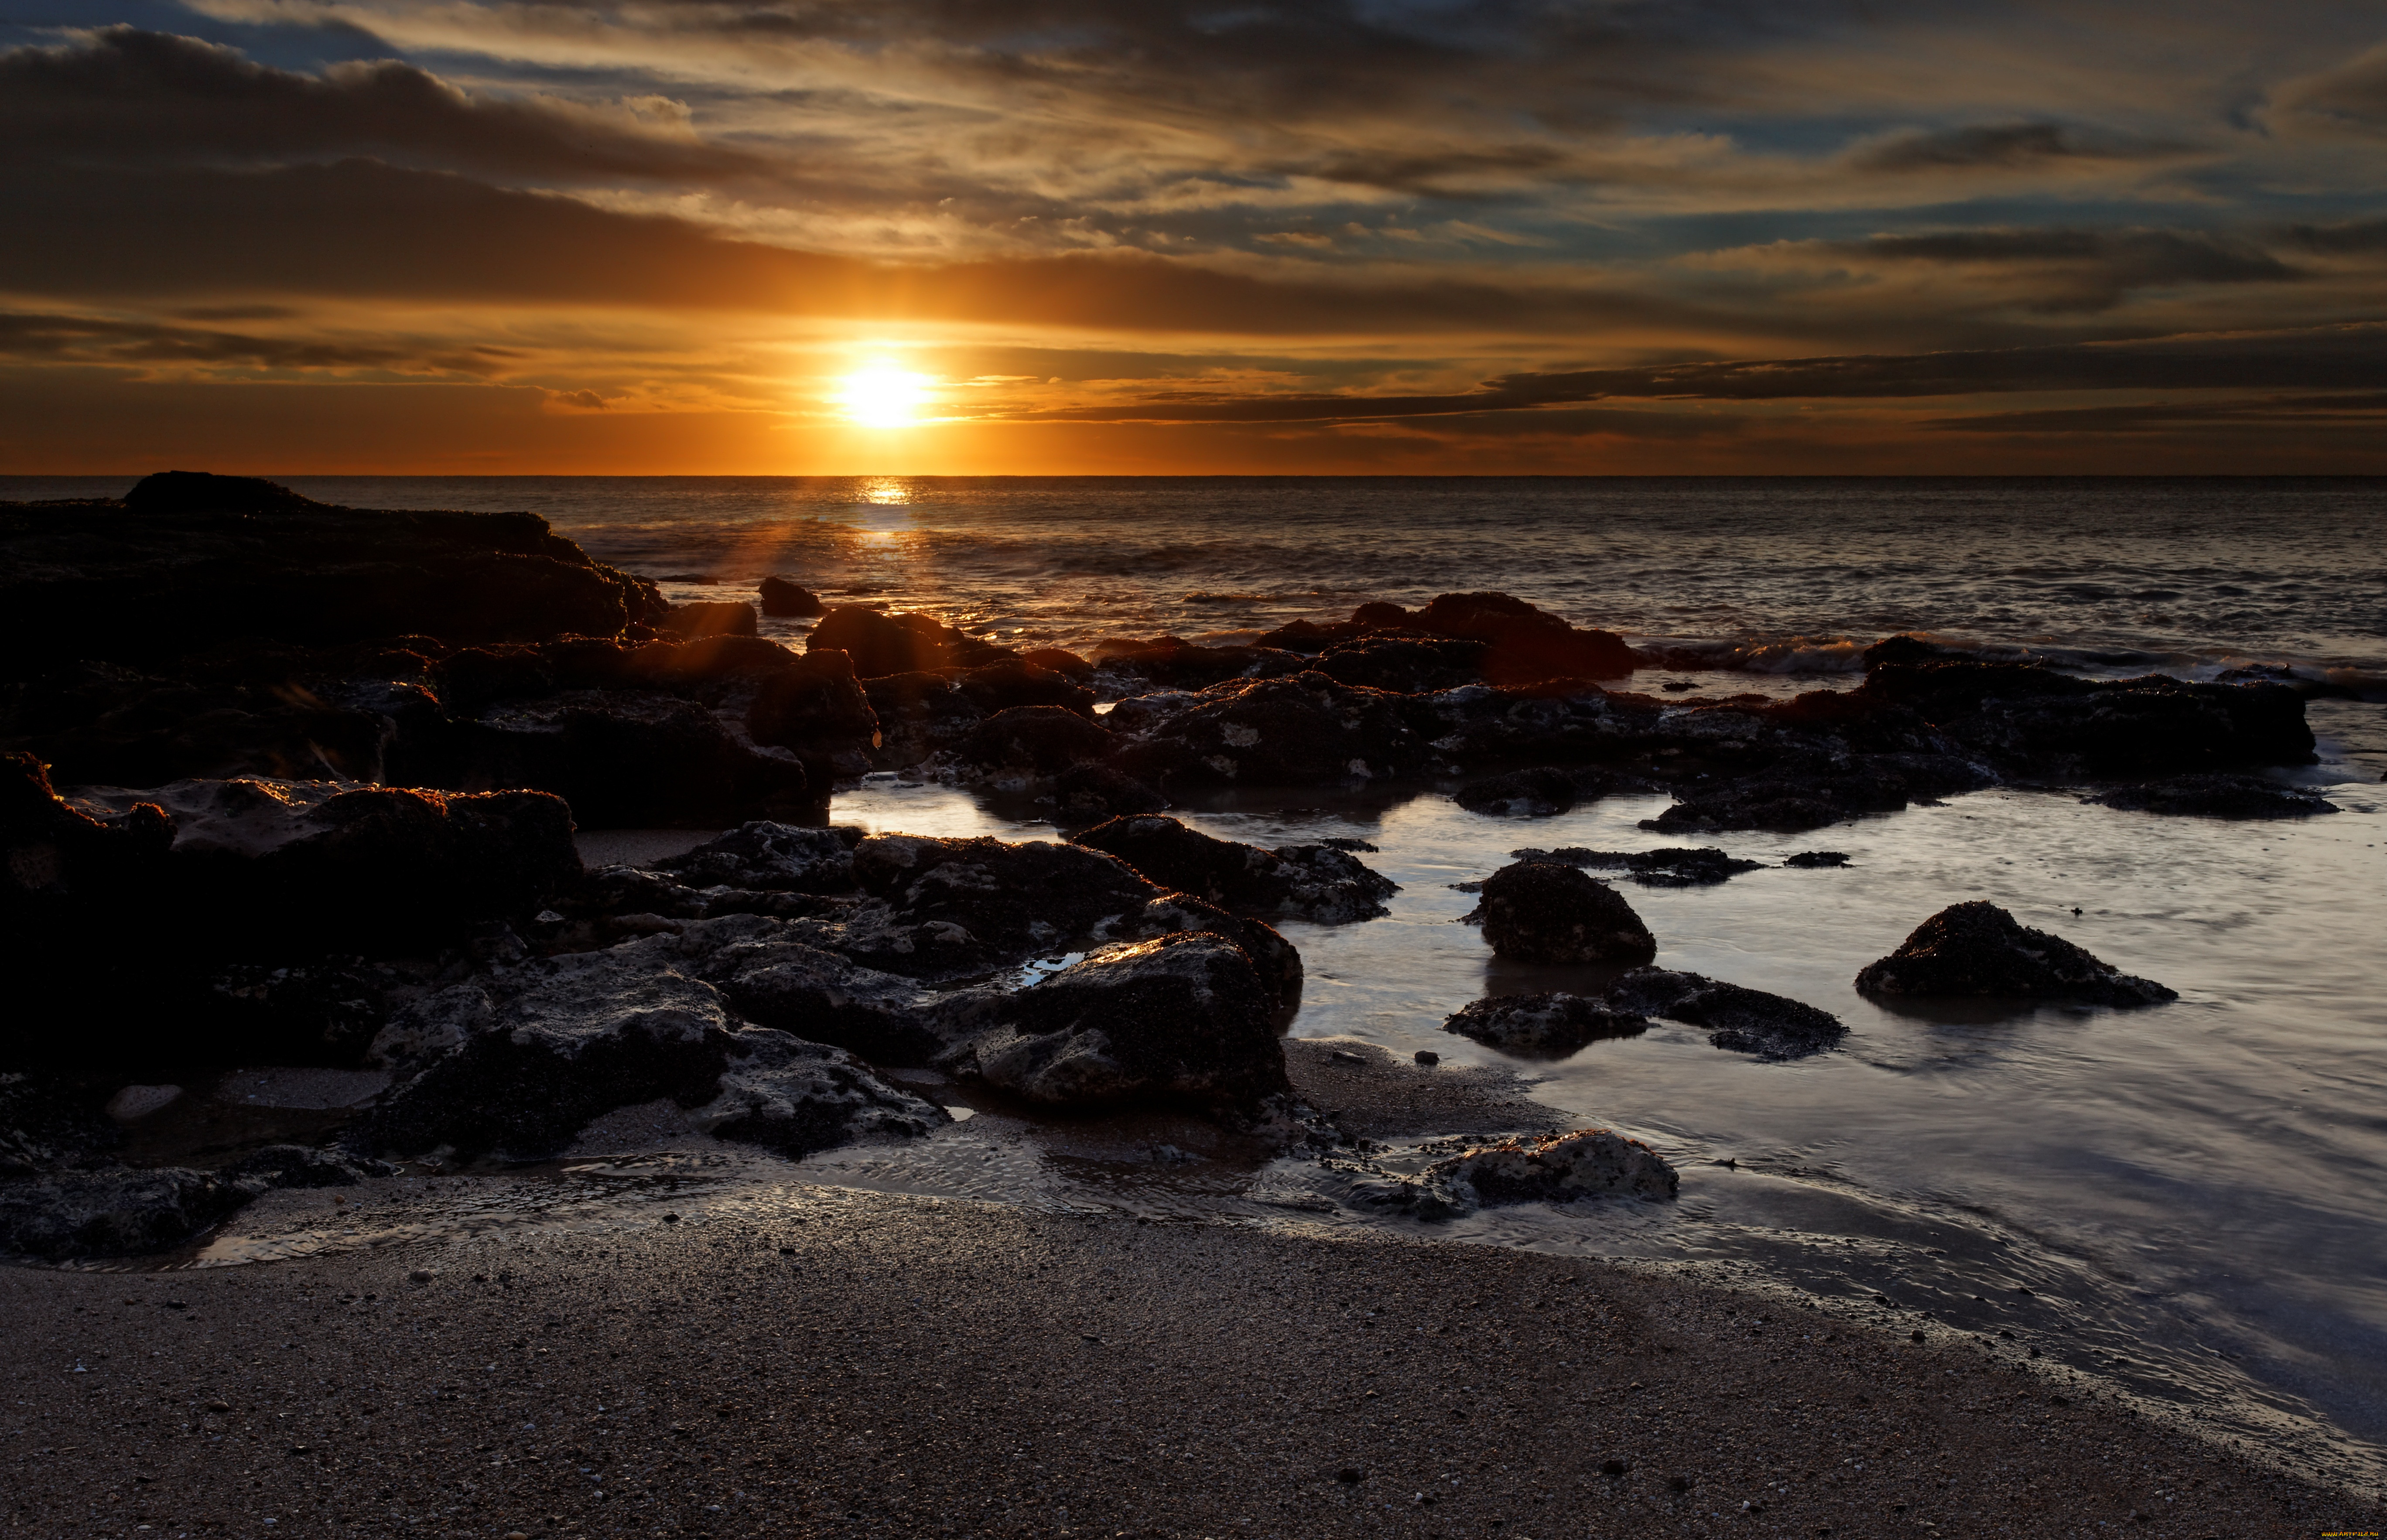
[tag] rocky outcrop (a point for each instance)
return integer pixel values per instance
(711, 618)
(1543, 1026)
(1311, 882)
(1030, 748)
(770, 858)
(48, 1123)
(817, 711)
(1174, 664)
(1181, 1020)
(1743, 1021)
(1558, 1167)
(784, 601)
(879, 643)
(1405, 664)
(1523, 644)
(1668, 866)
(1541, 793)
(956, 907)
(1808, 790)
(1978, 949)
(1304, 730)
(1090, 793)
(1537, 912)
(2218, 796)
(121, 1211)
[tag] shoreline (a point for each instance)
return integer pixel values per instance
(843, 1362)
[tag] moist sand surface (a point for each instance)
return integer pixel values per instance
(852, 1363)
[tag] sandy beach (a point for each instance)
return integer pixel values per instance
(858, 1363)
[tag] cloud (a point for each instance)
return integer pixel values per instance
(2000, 146)
(2369, 412)
(84, 339)
(124, 94)
(2351, 98)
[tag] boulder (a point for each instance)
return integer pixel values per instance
(1808, 791)
(48, 1123)
(817, 711)
(1089, 793)
(1027, 748)
(880, 644)
(1813, 859)
(1306, 730)
(1060, 661)
(798, 1097)
(1744, 1020)
(1274, 960)
(771, 978)
(1009, 683)
(1558, 1167)
(920, 715)
(955, 907)
(782, 599)
(2218, 796)
(1552, 1025)
(119, 1211)
(711, 618)
(1519, 794)
(1524, 644)
(769, 858)
(99, 724)
(1978, 949)
(1172, 663)
(1668, 866)
(1181, 1020)
(1537, 912)
(1405, 665)
(1312, 882)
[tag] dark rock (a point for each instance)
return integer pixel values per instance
(1978, 949)
(325, 1011)
(1088, 794)
(712, 618)
(1744, 1020)
(2218, 796)
(1026, 747)
(1317, 883)
(1543, 1025)
(1519, 794)
(98, 725)
(1558, 1168)
(771, 980)
(1817, 858)
(48, 1123)
(204, 492)
(1059, 661)
(817, 711)
(959, 906)
(117, 1212)
(1307, 637)
(1307, 730)
(767, 857)
(1562, 723)
(1535, 912)
(881, 644)
(1525, 644)
(1669, 867)
(1013, 682)
(920, 715)
(1427, 1057)
(1406, 665)
(703, 661)
(1274, 960)
(1807, 792)
(797, 1097)
(783, 599)
(1172, 663)
(1178, 1020)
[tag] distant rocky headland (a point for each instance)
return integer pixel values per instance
(294, 783)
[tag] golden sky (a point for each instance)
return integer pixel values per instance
(1056, 236)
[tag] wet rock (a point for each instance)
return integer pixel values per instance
(1525, 644)
(920, 715)
(1743, 1021)
(325, 1011)
(48, 1123)
(1060, 661)
(1810, 791)
(819, 712)
(960, 906)
(798, 1097)
(1172, 663)
(99, 724)
(1089, 793)
(881, 644)
(117, 1211)
(1027, 748)
(1313, 882)
(190, 563)
(1180, 1020)
(767, 857)
(1306, 730)
(1405, 665)
(1669, 867)
(1563, 723)
(1519, 794)
(2218, 796)
(1537, 912)
(1817, 858)
(1009, 683)
(1558, 1167)
(782, 599)
(1274, 960)
(1978, 949)
(1550, 1025)
(711, 618)
(773, 979)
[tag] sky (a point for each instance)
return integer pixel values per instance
(1156, 236)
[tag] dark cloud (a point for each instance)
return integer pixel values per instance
(2359, 238)
(120, 94)
(2059, 270)
(2351, 98)
(2368, 412)
(2003, 146)
(84, 339)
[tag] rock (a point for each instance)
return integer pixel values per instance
(1743, 1021)
(817, 711)
(1978, 949)
(2218, 796)
(1306, 730)
(133, 1103)
(1525, 644)
(1427, 1057)
(1806, 792)
(1060, 661)
(1027, 748)
(1558, 1167)
(798, 1097)
(48, 1123)
(783, 599)
(773, 979)
(1172, 663)
(1669, 867)
(711, 618)
(770, 858)
(1535, 912)
(1317, 883)
(190, 563)
(960, 906)
(1817, 858)
(1089, 793)
(1008, 683)
(1552, 1025)
(1275, 960)
(1519, 794)
(59, 1215)
(1180, 1020)
(881, 644)
(920, 715)
(98, 725)
(1405, 665)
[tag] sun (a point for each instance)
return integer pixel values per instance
(884, 398)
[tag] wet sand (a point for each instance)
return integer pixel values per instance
(845, 1363)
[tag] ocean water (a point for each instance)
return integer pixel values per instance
(2190, 1193)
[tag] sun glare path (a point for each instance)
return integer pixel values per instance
(885, 398)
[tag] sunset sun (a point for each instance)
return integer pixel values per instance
(884, 398)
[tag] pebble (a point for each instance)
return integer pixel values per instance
(1428, 1056)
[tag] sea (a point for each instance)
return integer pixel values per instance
(2185, 1205)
